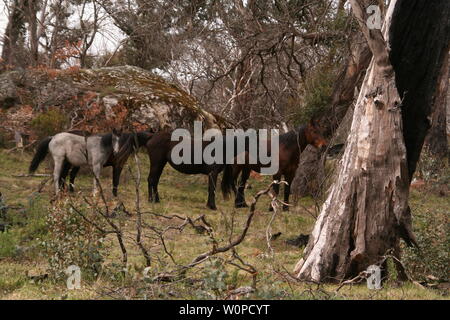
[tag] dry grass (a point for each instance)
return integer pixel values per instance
(185, 196)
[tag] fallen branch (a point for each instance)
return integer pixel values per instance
(216, 249)
(31, 175)
(239, 239)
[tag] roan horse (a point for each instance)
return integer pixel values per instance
(128, 142)
(69, 149)
(291, 145)
(159, 149)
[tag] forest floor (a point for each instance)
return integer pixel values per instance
(25, 271)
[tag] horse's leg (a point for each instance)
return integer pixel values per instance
(73, 175)
(116, 178)
(64, 172)
(156, 169)
(276, 188)
(240, 194)
(59, 163)
(287, 190)
(236, 171)
(212, 182)
(96, 168)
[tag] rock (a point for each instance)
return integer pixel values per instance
(275, 236)
(335, 150)
(309, 170)
(95, 95)
(300, 241)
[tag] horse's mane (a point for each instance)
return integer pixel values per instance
(129, 142)
(106, 140)
(291, 137)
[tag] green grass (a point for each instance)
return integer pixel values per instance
(21, 257)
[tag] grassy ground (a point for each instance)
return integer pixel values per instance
(24, 263)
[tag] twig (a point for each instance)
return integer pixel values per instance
(137, 183)
(31, 175)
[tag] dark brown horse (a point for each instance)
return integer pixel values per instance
(291, 144)
(128, 143)
(159, 150)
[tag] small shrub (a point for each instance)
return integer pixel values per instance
(49, 123)
(9, 244)
(214, 281)
(24, 229)
(5, 141)
(73, 241)
(429, 167)
(271, 291)
(316, 92)
(432, 231)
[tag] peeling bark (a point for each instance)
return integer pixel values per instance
(367, 211)
(350, 76)
(342, 98)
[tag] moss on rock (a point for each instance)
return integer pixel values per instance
(149, 99)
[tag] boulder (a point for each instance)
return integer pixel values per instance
(93, 98)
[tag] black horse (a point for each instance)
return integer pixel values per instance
(159, 149)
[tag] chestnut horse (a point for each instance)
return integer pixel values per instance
(291, 144)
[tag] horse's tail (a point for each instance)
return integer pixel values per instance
(131, 143)
(128, 146)
(227, 181)
(40, 154)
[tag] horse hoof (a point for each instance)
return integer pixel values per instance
(212, 207)
(241, 205)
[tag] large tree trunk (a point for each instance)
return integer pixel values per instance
(31, 10)
(342, 98)
(367, 211)
(12, 35)
(436, 140)
(350, 76)
(420, 32)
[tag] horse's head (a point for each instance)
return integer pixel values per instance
(148, 134)
(116, 140)
(313, 134)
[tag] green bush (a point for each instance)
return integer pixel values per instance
(49, 123)
(24, 229)
(72, 240)
(4, 140)
(9, 244)
(214, 278)
(432, 231)
(316, 92)
(429, 168)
